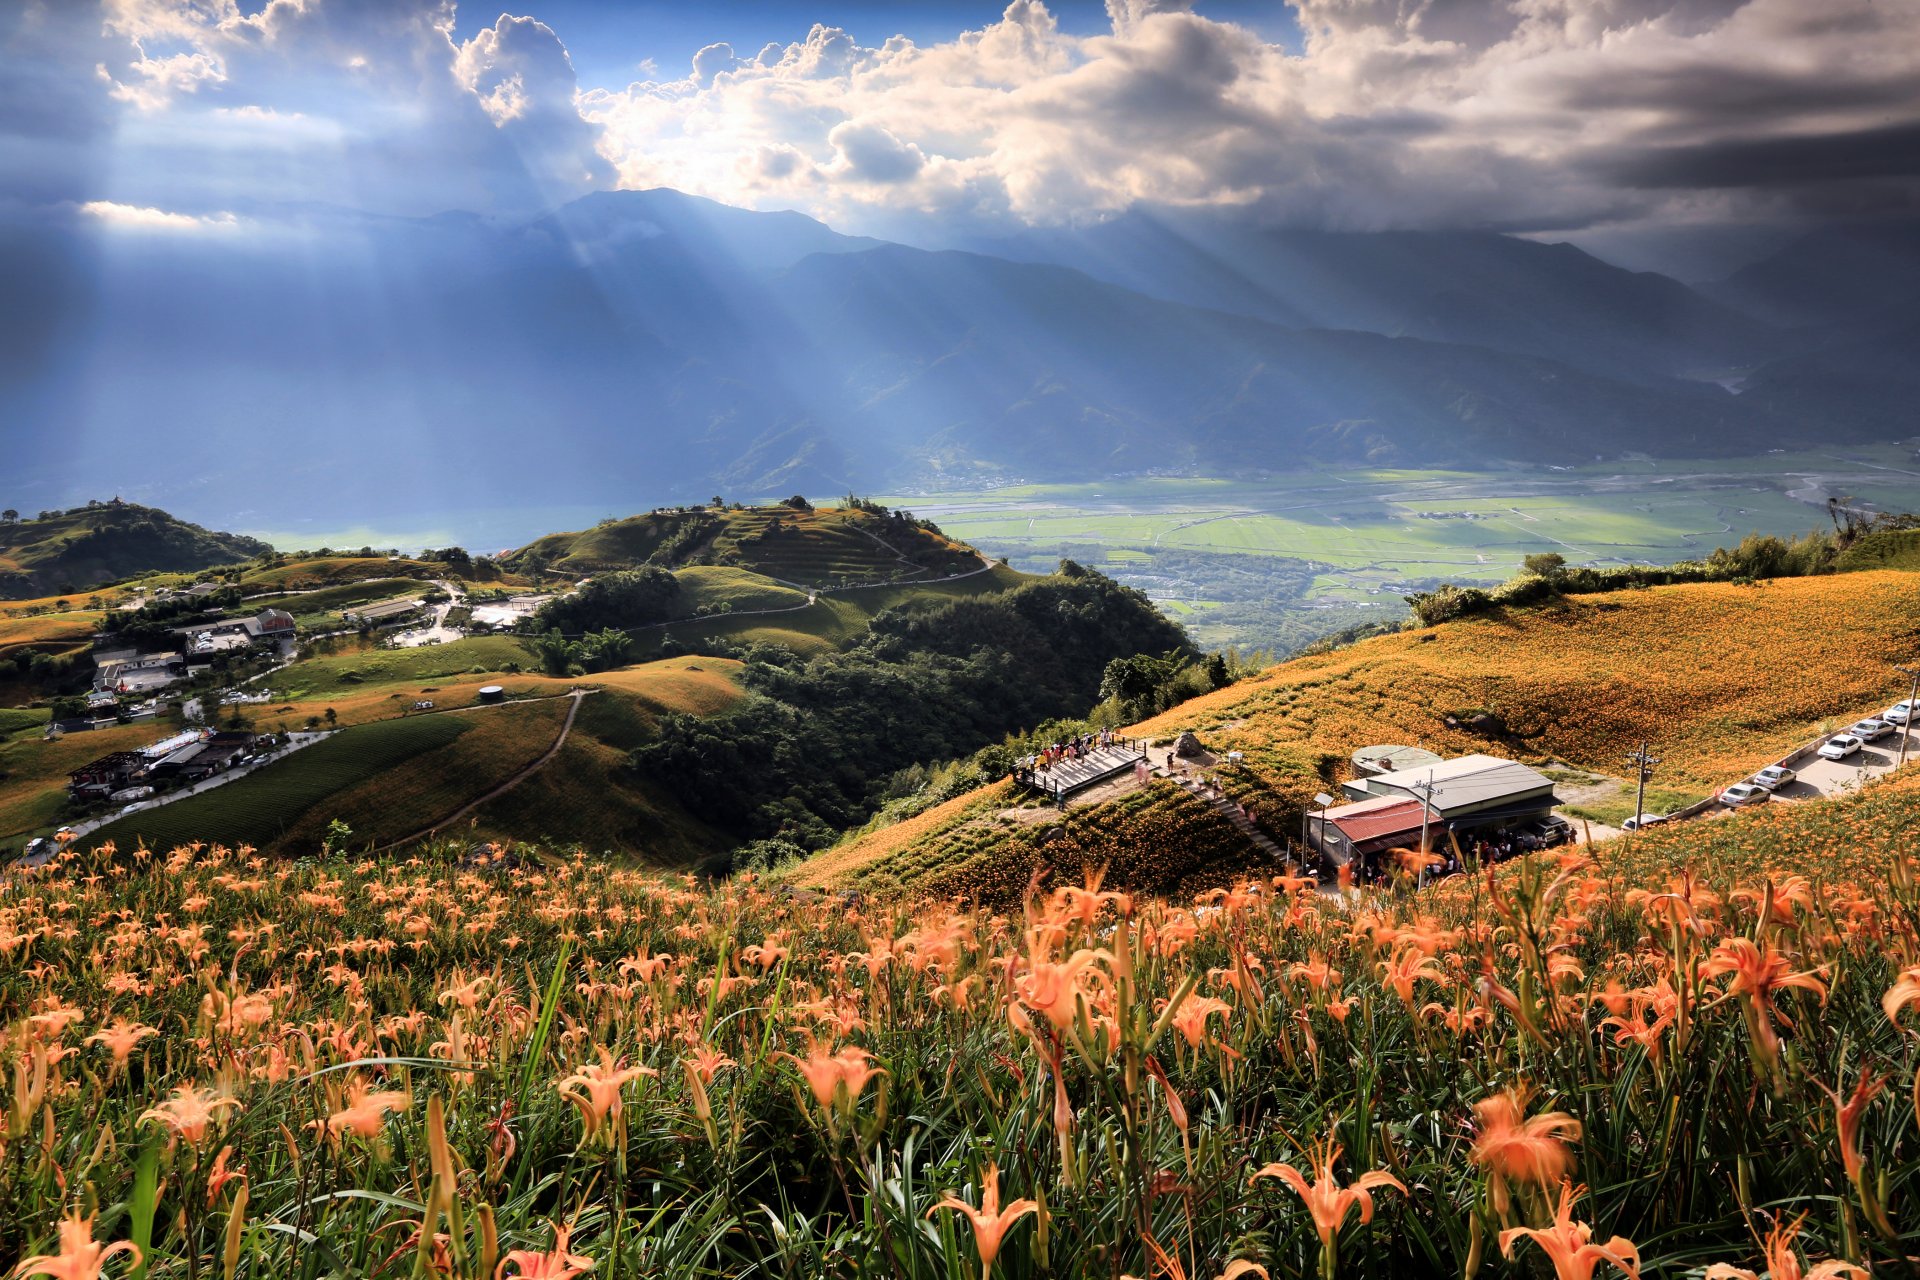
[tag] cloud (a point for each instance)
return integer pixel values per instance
(136, 218)
(203, 103)
(1534, 114)
(1530, 115)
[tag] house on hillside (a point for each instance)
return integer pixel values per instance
(1470, 795)
(270, 625)
(1354, 831)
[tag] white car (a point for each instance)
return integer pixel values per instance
(1840, 746)
(1773, 777)
(1744, 793)
(1900, 713)
(1637, 824)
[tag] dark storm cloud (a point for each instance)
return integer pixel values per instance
(1789, 162)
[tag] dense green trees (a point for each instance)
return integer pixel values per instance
(630, 598)
(812, 750)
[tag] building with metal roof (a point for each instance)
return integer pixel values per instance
(1471, 792)
(1348, 831)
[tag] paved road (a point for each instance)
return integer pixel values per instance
(1837, 777)
(437, 631)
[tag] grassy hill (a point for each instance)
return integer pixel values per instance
(73, 551)
(1718, 678)
(828, 546)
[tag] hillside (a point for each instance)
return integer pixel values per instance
(1719, 679)
(69, 552)
(827, 546)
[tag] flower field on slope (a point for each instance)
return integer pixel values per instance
(1719, 678)
(224, 1066)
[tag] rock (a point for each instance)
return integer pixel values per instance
(1186, 746)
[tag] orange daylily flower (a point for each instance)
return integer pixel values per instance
(1784, 1262)
(990, 1221)
(1514, 1147)
(189, 1112)
(828, 1074)
(1326, 1199)
(1568, 1244)
(595, 1090)
(80, 1256)
(557, 1263)
(365, 1114)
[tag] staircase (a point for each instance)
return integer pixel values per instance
(1231, 812)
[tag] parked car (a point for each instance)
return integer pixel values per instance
(1744, 793)
(1900, 713)
(1840, 746)
(1645, 820)
(1548, 831)
(1870, 730)
(1773, 777)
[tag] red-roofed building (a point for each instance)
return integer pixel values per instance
(1348, 831)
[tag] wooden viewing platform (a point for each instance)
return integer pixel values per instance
(1098, 765)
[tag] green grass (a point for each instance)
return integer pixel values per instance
(1617, 810)
(320, 677)
(712, 586)
(20, 719)
(1891, 549)
(260, 808)
(831, 621)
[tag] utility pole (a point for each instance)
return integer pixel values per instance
(1426, 812)
(1644, 763)
(1906, 730)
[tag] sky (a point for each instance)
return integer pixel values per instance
(938, 118)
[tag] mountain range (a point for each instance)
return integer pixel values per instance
(650, 343)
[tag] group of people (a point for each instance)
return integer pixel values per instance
(1497, 846)
(1042, 761)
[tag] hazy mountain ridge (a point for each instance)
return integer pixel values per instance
(654, 342)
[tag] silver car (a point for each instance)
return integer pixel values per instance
(1773, 777)
(1870, 730)
(1744, 793)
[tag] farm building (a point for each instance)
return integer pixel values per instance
(106, 775)
(271, 624)
(1349, 831)
(1472, 793)
(383, 614)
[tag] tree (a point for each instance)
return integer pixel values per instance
(333, 717)
(1546, 564)
(9, 516)
(798, 502)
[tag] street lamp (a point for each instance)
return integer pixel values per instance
(1324, 801)
(1644, 764)
(1906, 730)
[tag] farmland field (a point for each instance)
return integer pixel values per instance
(261, 808)
(478, 655)
(1343, 547)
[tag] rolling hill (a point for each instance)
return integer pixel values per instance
(1718, 678)
(74, 551)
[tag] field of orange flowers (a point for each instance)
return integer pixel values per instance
(219, 1065)
(1719, 678)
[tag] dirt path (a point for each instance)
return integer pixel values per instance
(566, 728)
